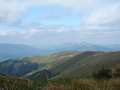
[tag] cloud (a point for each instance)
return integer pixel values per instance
(28, 25)
(75, 4)
(62, 30)
(29, 33)
(6, 32)
(59, 34)
(12, 11)
(66, 29)
(106, 18)
(20, 34)
(47, 30)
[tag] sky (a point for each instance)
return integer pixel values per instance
(40, 22)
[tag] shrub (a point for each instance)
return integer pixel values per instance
(103, 73)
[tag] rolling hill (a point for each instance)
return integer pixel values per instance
(28, 65)
(70, 63)
(94, 62)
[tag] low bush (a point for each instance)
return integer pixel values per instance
(103, 73)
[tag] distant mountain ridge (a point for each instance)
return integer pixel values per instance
(115, 47)
(11, 51)
(83, 46)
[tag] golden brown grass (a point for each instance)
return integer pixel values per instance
(65, 83)
(11, 83)
(86, 84)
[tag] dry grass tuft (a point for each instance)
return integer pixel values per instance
(86, 84)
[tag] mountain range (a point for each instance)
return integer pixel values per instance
(69, 63)
(83, 46)
(12, 51)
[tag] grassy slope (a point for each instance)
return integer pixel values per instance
(52, 57)
(50, 60)
(94, 62)
(29, 65)
(69, 63)
(59, 67)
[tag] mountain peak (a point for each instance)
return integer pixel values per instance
(86, 44)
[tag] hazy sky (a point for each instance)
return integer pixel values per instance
(59, 21)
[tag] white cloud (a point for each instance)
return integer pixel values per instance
(101, 17)
(106, 18)
(59, 34)
(12, 11)
(20, 34)
(29, 33)
(62, 29)
(6, 32)
(80, 5)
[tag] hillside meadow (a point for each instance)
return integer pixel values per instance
(70, 63)
(65, 83)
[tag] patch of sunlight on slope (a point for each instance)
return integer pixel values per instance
(52, 57)
(50, 60)
(61, 59)
(92, 63)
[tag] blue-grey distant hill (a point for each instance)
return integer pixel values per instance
(115, 47)
(83, 47)
(10, 51)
